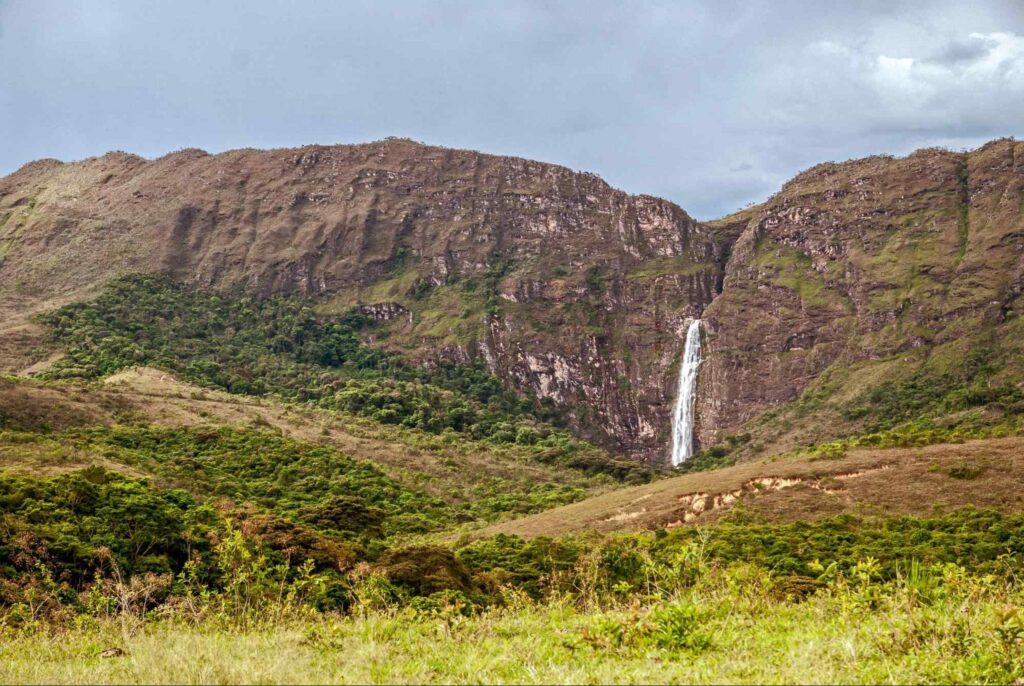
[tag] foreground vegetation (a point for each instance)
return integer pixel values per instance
(965, 638)
(684, 614)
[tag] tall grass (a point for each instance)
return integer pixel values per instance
(733, 625)
(691, 619)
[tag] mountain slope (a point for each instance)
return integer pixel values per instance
(863, 295)
(920, 482)
(563, 285)
(875, 271)
(48, 428)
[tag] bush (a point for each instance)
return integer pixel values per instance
(965, 472)
(930, 392)
(674, 627)
(426, 569)
(795, 587)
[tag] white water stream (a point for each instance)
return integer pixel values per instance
(682, 418)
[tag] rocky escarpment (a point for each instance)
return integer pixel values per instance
(875, 259)
(561, 284)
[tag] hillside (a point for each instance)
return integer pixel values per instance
(561, 284)
(874, 278)
(309, 414)
(54, 429)
(877, 483)
(151, 527)
(453, 342)
(867, 294)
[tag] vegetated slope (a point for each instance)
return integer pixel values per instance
(281, 346)
(874, 292)
(142, 475)
(562, 285)
(50, 429)
(885, 483)
(291, 456)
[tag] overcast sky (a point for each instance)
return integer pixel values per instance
(711, 104)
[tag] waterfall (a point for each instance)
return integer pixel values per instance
(682, 418)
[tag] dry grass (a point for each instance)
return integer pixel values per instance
(32, 406)
(441, 466)
(897, 481)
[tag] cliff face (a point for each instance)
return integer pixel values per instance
(560, 283)
(859, 261)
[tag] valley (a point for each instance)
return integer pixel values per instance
(358, 399)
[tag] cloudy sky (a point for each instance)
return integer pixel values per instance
(711, 104)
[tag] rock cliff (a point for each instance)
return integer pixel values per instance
(561, 284)
(869, 260)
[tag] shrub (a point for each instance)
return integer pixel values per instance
(673, 627)
(677, 627)
(346, 513)
(966, 471)
(795, 587)
(426, 569)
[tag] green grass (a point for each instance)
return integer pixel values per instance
(729, 628)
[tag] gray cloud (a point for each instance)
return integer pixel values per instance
(712, 104)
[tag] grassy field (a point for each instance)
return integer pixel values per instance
(898, 481)
(950, 628)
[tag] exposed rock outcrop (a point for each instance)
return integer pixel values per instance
(563, 285)
(860, 261)
(560, 284)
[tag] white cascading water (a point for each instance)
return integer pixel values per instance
(682, 418)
